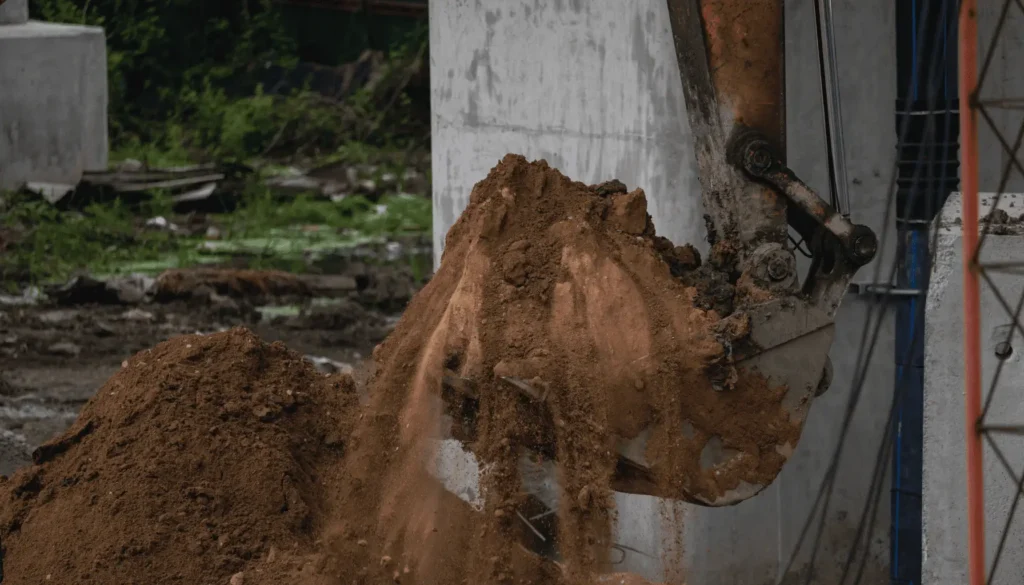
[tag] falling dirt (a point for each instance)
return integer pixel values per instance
(559, 325)
(564, 289)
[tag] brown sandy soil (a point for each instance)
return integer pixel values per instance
(567, 288)
(199, 459)
(222, 459)
(55, 355)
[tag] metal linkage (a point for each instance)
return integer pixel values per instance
(754, 154)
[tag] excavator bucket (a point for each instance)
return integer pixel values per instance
(741, 335)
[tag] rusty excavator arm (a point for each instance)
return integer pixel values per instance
(731, 63)
(731, 60)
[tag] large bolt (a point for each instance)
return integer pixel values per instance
(778, 269)
(759, 158)
(863, 245)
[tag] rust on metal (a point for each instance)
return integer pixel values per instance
(730, 55)
(746, 56)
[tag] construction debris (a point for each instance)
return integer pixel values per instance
(208, 186)
(84, 289)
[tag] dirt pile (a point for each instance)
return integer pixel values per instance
(558, 324)
(202, 458)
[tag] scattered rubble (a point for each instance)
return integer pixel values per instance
(64, 348)
(190, 187)
(29, 296)
(338, 180)
(218, 187)
(84, 289)
(326, 365)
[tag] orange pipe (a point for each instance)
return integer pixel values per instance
(972, 318)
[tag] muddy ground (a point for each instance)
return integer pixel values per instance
(55, 354)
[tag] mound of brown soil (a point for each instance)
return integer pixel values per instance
(201, 459)
(568, 288)
(558, 324)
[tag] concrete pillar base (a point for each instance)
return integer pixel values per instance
(944, 497)
(53, 101)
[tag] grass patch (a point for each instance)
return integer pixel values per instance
(46, 245)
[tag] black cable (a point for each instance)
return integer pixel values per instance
(868, 341)
(870, 510)
(806, 253)
(833, 181)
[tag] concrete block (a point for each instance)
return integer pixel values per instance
(944, 502)
(13, 12)
(53, 102)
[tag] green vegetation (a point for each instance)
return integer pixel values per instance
(112, 238)
(186, 76)
(187, 84)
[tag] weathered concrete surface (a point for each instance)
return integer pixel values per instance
(945, 482)
(13, 12)
(593, 88)
(53, 102)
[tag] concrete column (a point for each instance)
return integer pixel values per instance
(945, 489)
(590, 86)
(13, 12)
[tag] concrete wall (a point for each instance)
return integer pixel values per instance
(13, 11)
(592, 86)
(53, 101)
(945, 494)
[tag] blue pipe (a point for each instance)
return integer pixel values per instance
(908, 435)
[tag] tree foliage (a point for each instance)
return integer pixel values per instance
(157, 50)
